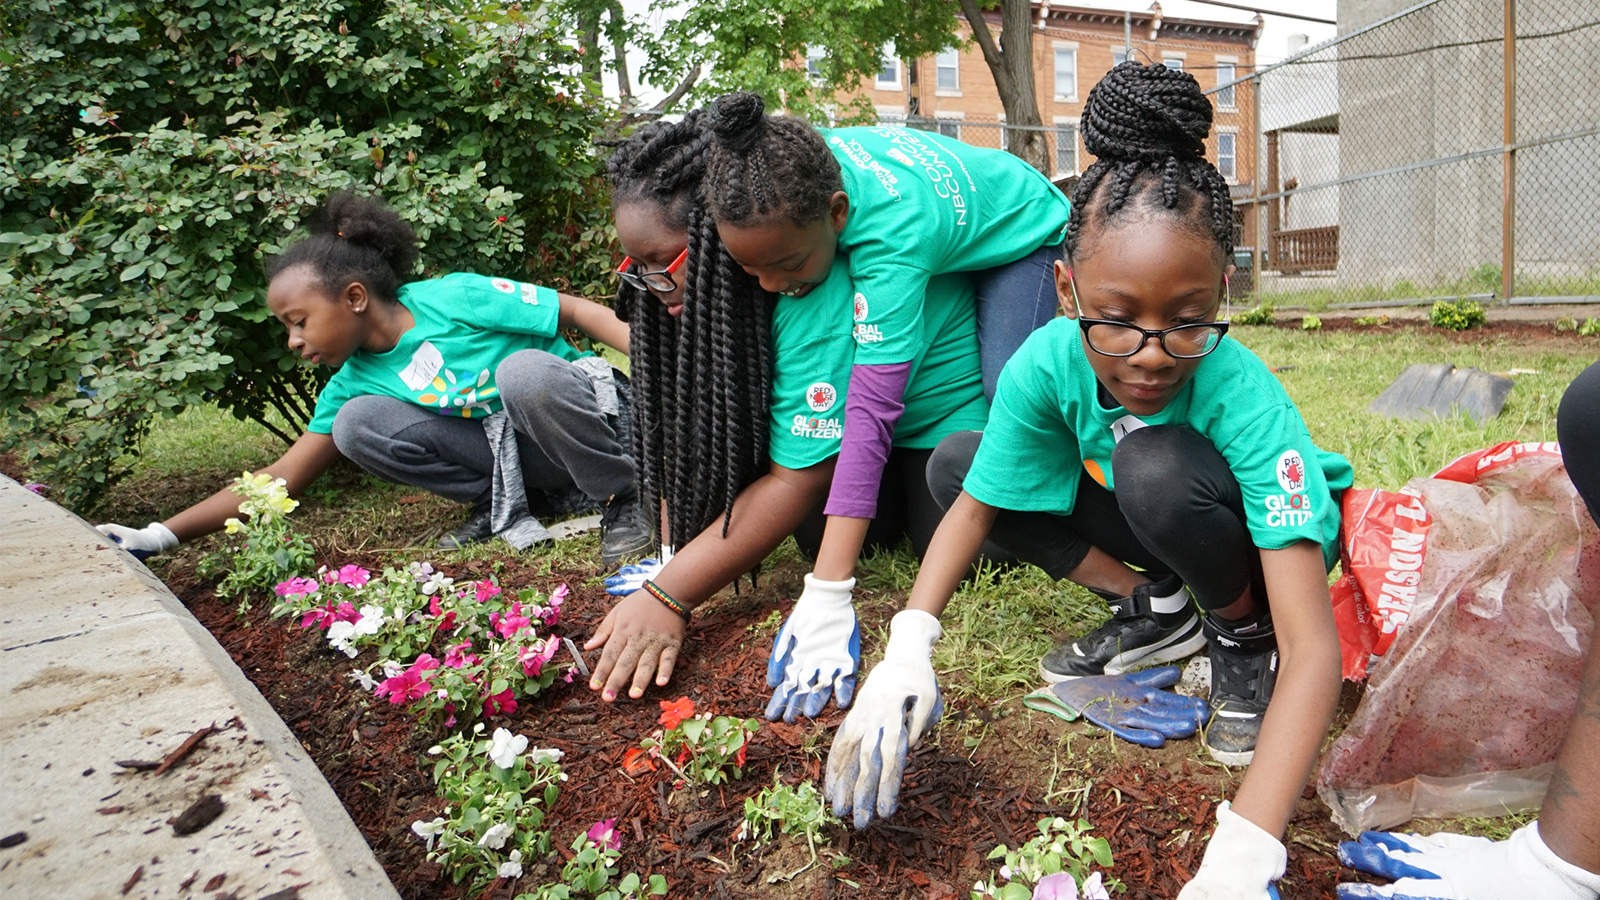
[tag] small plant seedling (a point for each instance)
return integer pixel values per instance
(701, 749)
(1566, 324)
(1589, 328)
(1261, 315)
(1311, 323)
(1062, 846)
(1456, 315)
(261, 547)
(782, 809)
(1372, 320)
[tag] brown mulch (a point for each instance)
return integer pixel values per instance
(958, 802)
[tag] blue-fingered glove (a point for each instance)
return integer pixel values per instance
(144, 542)
(816, 653)
(899, 701)
(632, 577)
(1456, 867)
(1133, 706)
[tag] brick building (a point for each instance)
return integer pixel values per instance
(1073, 47)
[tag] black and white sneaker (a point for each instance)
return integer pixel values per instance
(475, 529)
(624, 532)
(1138, 634)
(1244, 670)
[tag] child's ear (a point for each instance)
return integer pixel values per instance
(838, 210)
(1064, 289)
(355, 297)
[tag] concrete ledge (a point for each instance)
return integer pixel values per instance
(99, 662)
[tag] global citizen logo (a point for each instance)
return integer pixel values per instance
(503, 286)
(861, 307)
(821, 397)
(1292, 472)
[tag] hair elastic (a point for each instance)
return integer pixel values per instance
(654, 590)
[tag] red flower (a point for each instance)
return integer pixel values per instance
(738, 758)
(675, 711)
(495, 704)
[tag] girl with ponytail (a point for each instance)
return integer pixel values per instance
(1136, 451)
(423, 369)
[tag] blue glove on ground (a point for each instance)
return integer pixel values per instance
(632, 577)
(816, 653)
(1456, 867)
(899, 701)
(1133, 706)
(144, 542)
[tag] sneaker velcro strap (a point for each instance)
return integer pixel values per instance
(1260, 640)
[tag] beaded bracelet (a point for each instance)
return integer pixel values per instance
(655, 591)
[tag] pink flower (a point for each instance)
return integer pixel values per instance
(412, 684)
(512, 622)
(294, 587)
(605, 834)
(327, 614)
(495, 704)
(533, 658)
(352, 575)
(450, 710)
(449, 620)
(457, 657)
(486, 589)
(552, 612)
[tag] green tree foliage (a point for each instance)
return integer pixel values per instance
(153, 154)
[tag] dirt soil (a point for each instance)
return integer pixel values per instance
(984, 777)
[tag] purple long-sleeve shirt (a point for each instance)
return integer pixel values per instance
(872, 409)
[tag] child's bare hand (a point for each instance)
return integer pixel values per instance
(641, 638)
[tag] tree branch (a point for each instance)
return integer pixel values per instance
(992, 54)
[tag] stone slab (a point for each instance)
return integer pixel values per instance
(100, 663)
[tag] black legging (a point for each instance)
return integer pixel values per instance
(1177, 509)
(905, 509)
(1578, 430)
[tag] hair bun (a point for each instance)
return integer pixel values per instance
(368, 222)
(738, 120)
(1146, 112)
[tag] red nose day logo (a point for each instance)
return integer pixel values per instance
(861, 307)
(1292, 472)
(821, 397)
(504, 286)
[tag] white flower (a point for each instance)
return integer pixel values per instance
(443, 694)
(544, 755)
(341, 632)
(506, 747)
(512, 868)
(392, 668)
(371, 618)
(428, 830)
(360, 677)
(1005, 872)
(1093, 889)
(435, 750)
(495, 837)
(478, 728)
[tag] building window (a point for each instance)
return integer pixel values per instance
(1173, 62)
(1227, 156)
(814, 57)
(1066, 148)
(1119, 55)
(946, 64)
(1066, 73)
(1225, 74)
(889, 74)
(950, 128)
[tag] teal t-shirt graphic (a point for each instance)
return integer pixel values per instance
(814, 349)
(465, 325)
(922, 205)
(1048, 425)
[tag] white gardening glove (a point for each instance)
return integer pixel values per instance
(816, 653)
(899, 701)
(1456, 867)
(144, 542)
(1241, 862)
(632, 577)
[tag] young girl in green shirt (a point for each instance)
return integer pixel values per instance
(1135, 432)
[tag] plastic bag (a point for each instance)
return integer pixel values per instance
(1480, 584)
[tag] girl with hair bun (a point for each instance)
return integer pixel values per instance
(1133, 433)
(739, 397)
(425, 368)
(900, 207)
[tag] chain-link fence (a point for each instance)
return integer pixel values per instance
(1427, 155)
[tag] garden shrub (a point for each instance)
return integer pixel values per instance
(152, 154)
(1456, 315)
(1311, 323)
(1261, 315)
(1589, 328)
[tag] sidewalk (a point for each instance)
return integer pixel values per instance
(100, 665)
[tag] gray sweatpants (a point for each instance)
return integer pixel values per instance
(563, 437)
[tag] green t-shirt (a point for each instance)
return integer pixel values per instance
(465, 326)
(813, 351)
(1048, 424)
(924, 205)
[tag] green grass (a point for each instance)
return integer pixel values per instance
(1484, 279)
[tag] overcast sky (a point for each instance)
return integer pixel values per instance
(1274, 36)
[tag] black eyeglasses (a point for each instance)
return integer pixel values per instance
(1109, 337)
(659, 280)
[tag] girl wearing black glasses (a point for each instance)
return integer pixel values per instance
(1136, 451)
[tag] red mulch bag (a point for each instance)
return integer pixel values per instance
(1477, 589)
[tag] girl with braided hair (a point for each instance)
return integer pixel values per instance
(1133, 433)
(901, 207)
(738, 397)
(461, 385)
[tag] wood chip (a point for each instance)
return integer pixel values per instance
(139, 765)
(185, 748)
(110, 810)
(200, 814)
(133, 880)
(13, 839)
(215, 882)
(184, 885)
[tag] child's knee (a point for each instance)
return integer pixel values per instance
(532, 378)
(948, 465)
(1157, 459)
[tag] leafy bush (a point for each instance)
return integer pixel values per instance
(1589, 328)
(1311, 323)
(1456, 315)
(1372, 320)
(1261, 315)
(152, 155)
